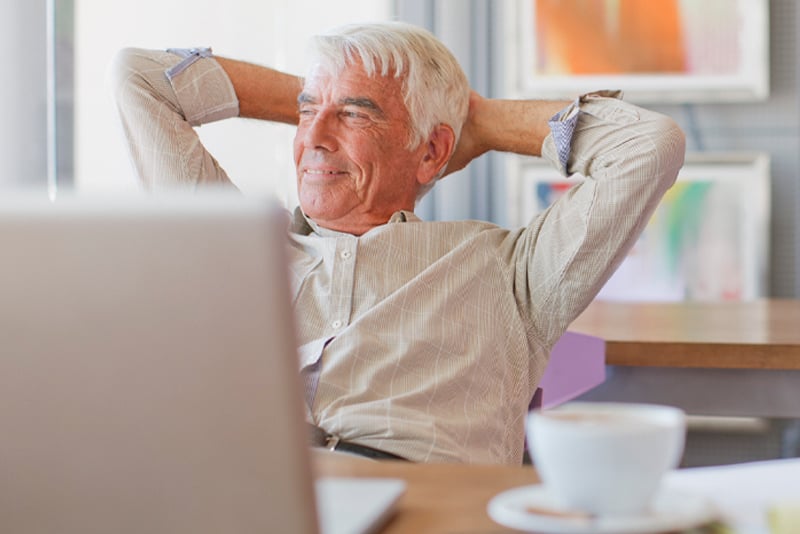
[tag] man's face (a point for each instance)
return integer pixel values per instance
(353, 168)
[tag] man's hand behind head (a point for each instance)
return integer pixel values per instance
(471, 143)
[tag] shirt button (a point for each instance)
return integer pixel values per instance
(346, 254)
(336, 324)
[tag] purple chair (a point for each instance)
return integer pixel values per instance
(577, 364)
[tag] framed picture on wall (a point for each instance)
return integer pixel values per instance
(655, 51)
(708, 239)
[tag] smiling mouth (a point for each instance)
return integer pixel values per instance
(323, 173)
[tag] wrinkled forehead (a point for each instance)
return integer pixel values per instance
(352, 78)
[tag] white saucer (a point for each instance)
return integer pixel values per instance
(671, 511)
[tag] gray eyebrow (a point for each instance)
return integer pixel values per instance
(305, 98)
(358, 101)
(362, 102)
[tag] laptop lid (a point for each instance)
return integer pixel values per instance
(148, 378)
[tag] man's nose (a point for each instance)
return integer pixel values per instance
(321, 132)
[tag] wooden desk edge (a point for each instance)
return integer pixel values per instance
(708, 355)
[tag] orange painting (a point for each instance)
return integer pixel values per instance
(592, 37)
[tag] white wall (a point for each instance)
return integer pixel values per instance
(257, 156)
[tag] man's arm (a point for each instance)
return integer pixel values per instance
(159, 112)
(518, 126)
(263, 93)
(624, 159)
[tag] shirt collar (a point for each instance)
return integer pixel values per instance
(303, 225)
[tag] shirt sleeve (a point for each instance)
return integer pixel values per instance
(628, 157)
(158, 113)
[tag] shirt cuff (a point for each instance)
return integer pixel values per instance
(563, 124)
(189, 55)
(204, 91)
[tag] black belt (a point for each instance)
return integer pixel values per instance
(319, 438)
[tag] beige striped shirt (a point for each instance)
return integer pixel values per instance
(429, 338)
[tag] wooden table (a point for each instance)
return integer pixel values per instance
(440, 498)
(722, 358)
(452, 498)
(762, 334)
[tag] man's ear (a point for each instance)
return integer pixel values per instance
(438, 149)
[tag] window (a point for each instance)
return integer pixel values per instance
(37, 94)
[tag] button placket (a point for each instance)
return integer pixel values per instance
(343, 282)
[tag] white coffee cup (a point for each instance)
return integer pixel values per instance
(605, 458)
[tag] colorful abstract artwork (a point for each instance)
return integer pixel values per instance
(706, 241)
(653, 50)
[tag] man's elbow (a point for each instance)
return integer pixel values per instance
(669, 148)
(128, 71)
(650, 150)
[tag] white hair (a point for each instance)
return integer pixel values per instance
(435, 88)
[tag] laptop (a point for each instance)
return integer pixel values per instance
(148, 374)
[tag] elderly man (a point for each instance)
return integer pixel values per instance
(418, 340)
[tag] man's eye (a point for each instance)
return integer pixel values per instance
(355, 115)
